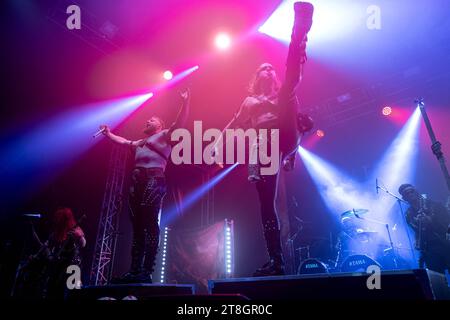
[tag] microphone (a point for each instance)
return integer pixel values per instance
(32, 215)
(98, 133)
(377, 187)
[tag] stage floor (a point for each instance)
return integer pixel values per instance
(417, 284)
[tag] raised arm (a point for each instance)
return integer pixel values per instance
(183, 113)
(240, 118)
(79, 237)
(118, 139)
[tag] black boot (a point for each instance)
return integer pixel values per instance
(303, 20)
(137, 256)
(275, 266)
(151, 250)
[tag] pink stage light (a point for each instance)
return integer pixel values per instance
(167, 75)
(387, 111)
(174, 80)
(222, 41)
(320, 133)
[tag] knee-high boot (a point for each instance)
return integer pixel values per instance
(151, 250)
(275, 266)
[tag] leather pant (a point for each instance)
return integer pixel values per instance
(146, 195)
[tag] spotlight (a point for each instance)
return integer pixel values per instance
(222, 41)
(400, 159)
(328, 23)
(167, 75)
(340, 191)
(387, 111)
(195, 195)
(320, 133)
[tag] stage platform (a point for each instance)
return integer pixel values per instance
(406, 284)
(417, 284)
(139, 291)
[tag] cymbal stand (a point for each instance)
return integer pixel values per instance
(403, 219)
(391, 243)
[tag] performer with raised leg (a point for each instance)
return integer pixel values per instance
(272, 105)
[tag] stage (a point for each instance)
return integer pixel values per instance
(183, 146)
(418, 284)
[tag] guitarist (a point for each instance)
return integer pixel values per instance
(430, 221)
(44, 274)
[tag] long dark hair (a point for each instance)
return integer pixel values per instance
(254, 87)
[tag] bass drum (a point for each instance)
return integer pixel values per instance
(312, 266)
(358, 263)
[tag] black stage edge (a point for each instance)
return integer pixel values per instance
(420, 284)
(140, 291)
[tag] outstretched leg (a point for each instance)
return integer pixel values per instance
(289, 133)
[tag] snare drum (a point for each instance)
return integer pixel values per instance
(312, 266)
(358, 263)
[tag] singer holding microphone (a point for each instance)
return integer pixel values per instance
(430, 221)
(147, 190)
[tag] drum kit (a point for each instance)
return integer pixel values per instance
(359, 245)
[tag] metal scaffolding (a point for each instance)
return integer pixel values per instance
(97, 32)
(398, 88)
(105, 244)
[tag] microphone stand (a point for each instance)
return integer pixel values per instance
(399, 201)
(290, 240)
(436, 145)
(392, 246)
(391, 243)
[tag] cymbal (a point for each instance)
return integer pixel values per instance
(364, 235)
(354, 213)
(361, 232)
